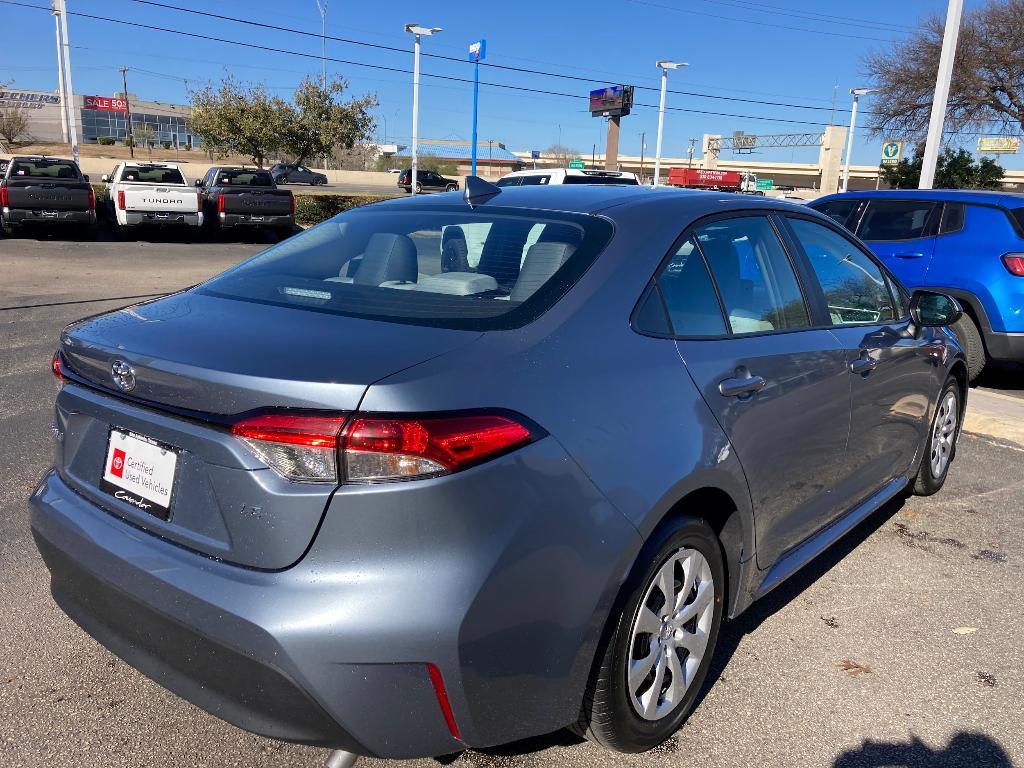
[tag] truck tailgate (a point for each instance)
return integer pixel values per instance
(48, 195)
(259, 202)
(154, 198)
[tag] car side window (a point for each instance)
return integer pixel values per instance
(689, 294)
(855, 287)
(952, 218)
(898, 220)
(840, 211)
(532, 180)
(754, 276)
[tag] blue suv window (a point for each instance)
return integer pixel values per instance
(898, 219)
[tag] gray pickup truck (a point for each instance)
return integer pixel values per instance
(246, 197)
(46, 191)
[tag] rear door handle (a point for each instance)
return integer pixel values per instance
(741, 386)
(863, 364)
(909, 255)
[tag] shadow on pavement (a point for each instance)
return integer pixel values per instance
(1005, 376)
(966, 750)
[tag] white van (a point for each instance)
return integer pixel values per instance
(566, 176)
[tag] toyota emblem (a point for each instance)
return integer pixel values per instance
(123, 374)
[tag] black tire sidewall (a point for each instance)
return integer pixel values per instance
(926, 483)
(631, 732)
(969, 337)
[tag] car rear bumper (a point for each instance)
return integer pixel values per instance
(161, 219)
(25, 216)
(505, 593)
(1005, 346)
(248, 220)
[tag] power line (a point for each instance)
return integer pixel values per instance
(270, 49)
(491, 65)
(875, 26)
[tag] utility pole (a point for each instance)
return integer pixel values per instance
(642, 135)
(689, 153)
(60, 75)
(128, 111)
(945, 75)
(60, 7)
(832, 116)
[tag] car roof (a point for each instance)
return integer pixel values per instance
(991, 197)
(570, 172)
(603, 198)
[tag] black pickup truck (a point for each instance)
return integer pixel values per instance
(45, 190)
(246, 197)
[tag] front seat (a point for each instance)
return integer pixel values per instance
(388, 258)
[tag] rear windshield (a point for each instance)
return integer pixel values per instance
(476, 270)
(571, 179)
(245, 178)
(144, 174)
(46, 169)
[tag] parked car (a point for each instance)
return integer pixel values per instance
(376, 490)
(246, 198)
(45, 191)
(426, 180)
(151, 194)
(969, 244)
(566, 176)
(289, 173)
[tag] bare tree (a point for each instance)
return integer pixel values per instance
(561, 154)
(14, 123)
(987, 91)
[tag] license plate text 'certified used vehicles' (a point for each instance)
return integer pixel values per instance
(453, 471)
(140, 472)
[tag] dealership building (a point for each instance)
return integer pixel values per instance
(102, 117)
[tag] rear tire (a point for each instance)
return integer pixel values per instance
(638, 695)
(940, 443)
(419, 188)
(969, 336)
(452, 188)
(6, 228)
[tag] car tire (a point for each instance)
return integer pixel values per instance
(419, 187)
(452, 188)
(969, 336)
(6, 228)
(940, 442)
(621, 710)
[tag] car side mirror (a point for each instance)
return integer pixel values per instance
(85, 177)
(105, 178)
(933, 310)
(199, 182)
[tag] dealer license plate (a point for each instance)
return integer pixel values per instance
(140, 471)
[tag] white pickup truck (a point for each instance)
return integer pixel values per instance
(152, 193)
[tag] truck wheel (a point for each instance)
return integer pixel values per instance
(7, 229)
(970, 339)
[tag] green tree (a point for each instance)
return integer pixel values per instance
(320, 121)
(955, 169)
(239, 118)
(987, 90)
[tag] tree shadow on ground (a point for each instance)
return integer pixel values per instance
(966, 750)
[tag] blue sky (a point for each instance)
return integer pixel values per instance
(791, 51)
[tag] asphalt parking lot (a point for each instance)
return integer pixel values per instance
(902, 647)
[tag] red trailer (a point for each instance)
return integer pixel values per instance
(701, 178)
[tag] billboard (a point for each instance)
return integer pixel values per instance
(105, 103)
(1008, 145)
(612, 101)
(27, 99)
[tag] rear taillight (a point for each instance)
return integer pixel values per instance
(291, 204)
(120, 200)
(57, 366)
(220, 203)
(303, 448)
(92, 199)
(376, 448)
(3, 197)
(1015, 263)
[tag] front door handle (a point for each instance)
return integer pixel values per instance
(740, 386)
(863, 364)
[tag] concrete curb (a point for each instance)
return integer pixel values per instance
(995, 415)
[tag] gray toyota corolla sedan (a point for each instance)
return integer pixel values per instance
(453, 471)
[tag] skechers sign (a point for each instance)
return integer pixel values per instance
(27, 99)
(106, 103)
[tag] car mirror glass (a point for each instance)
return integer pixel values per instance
(932, 310)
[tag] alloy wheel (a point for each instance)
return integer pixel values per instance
(670, 634)
(944, 434)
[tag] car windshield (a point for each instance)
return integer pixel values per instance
(245, 178)
(152, 174)
(469, 269)
(45, 169)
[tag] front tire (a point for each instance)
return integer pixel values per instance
(452, 188)
(969, 336)
(940, 445)
(660, 641)
(419, 188)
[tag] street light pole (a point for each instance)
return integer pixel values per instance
(643, 135)
(128, 112)
(322, 7)
(942, 80)
(664, 66)
(61, 8)
(416, 31)
(60, 75)
(477, 51)
(857, 93)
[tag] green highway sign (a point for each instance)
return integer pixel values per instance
(892, 151)
(765, 184)
(577, 164)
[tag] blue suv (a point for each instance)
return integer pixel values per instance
(968, 244)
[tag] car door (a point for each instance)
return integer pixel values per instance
(902, 235)
(777, 385)
(890, 365)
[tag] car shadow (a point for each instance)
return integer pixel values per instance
(1000, 375)
(965, 750)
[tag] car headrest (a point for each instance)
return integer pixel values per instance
(65, 173)
(388, 258)
(169, 177)
(454, 250)
(541, 262)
